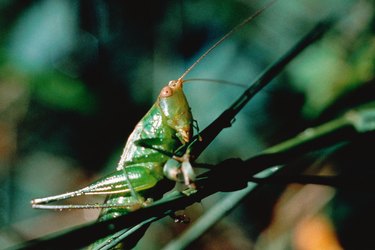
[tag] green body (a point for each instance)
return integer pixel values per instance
(142, 170)
(147, 171)
(169, 121)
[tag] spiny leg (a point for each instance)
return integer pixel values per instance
(82, 206)
(114, 183)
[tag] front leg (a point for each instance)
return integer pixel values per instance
(180, 169)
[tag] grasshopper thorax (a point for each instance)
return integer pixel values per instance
(173, 104)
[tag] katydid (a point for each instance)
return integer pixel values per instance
(169, 125)
(148, 161)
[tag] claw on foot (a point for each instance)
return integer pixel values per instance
(191, 190)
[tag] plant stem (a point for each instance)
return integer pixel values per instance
(226, 118)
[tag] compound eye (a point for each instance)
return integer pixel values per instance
(166, 92)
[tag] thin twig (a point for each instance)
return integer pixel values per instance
(226, 118)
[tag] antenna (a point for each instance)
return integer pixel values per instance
(219, 81)
(237, 27)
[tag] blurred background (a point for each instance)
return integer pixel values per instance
(76, 76)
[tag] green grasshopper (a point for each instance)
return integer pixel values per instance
(169, 124)
(149, 154)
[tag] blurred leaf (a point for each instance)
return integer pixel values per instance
(62, 92)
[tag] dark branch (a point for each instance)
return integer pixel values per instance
(226, 118)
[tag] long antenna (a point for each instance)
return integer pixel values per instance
(237, 27)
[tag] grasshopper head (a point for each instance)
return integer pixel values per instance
(175, 107)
